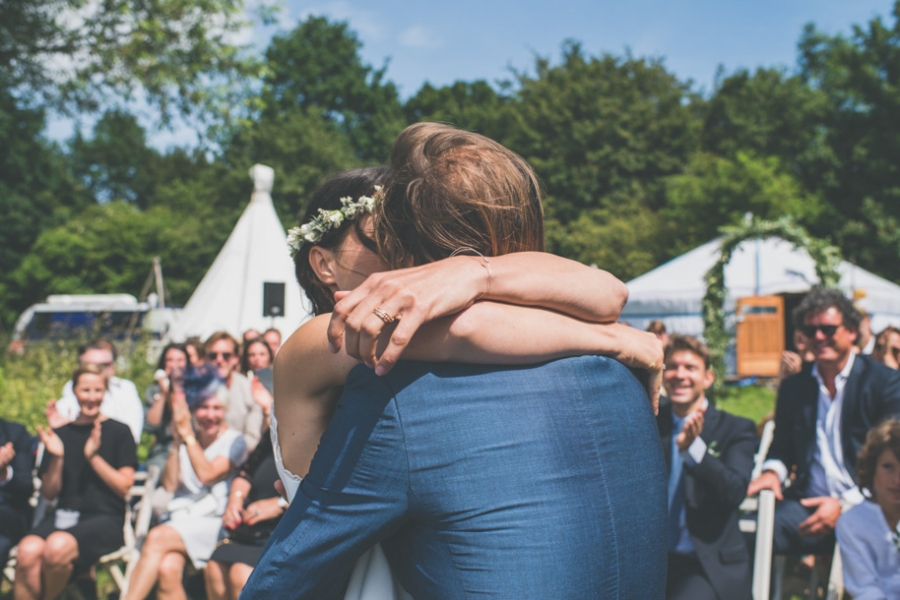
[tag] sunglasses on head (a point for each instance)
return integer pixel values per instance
(810, 330)
(215, 355)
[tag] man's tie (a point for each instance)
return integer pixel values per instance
(676, 492)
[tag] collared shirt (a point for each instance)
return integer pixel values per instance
(828, 475)
(692, 456)
(121, 403)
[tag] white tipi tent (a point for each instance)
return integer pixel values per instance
(230, 296)
(673, 292)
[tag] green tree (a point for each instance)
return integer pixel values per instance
(474, 106)
(317, 67)
(715, 191)
(860, 76)
(77, 54)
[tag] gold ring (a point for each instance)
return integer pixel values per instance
(388, 319)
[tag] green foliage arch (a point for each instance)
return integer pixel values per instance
(827, 259)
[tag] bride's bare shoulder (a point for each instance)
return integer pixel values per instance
(304, 363)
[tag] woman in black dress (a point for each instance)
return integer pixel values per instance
(88, 467)
(254, 509)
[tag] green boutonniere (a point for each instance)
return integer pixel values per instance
(711, 449)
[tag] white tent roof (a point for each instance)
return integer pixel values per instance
(673, 291)
(230, 296)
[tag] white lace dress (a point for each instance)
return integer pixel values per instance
(371, 578)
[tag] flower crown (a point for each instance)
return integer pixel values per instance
(326, 220)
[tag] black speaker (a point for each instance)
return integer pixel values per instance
(273, 299)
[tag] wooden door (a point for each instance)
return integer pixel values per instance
(760, 335)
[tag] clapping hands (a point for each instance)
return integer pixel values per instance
(52, 443)
(7, 454)
(93, 442)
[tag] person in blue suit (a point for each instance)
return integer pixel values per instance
(16, 485)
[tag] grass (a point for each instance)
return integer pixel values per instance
(753, 401)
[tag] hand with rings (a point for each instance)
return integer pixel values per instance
(397, 303)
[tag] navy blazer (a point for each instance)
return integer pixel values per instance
(713, 490)
(16, 493)
(871, 394)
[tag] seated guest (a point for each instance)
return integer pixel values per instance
(256, 355)
(16, 486)
(174, 359)
(254, 509)
(887, 347)
(821, 423)
(866, 532)
(201, 461)
(658, 328)
(273, 339)
(88, 467)
(121, 401)
(243, 413)
(710, 457)
(196, 351)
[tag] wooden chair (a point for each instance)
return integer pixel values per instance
(766, 569)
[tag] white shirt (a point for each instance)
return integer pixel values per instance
(693, 455)
(121, 403)
(828, 475)
(871, 560)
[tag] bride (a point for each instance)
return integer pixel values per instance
(518, 305)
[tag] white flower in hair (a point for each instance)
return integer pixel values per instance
(326, 220)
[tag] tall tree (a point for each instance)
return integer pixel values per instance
(317, 66)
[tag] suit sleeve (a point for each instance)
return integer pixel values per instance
(354, 496)
(782, 447)
(728, 475)
(891, 395)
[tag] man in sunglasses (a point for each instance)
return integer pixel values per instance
(243, 413)
(121, 401)
(822, 416)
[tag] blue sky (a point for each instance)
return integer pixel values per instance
(442, 42)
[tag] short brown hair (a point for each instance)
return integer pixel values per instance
(656, 327)
(219, 336)
(884, 436)
(89, 369)
(689, 343)
(449, 189)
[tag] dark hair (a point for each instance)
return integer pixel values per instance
(450, 189)
(245, 363)
(818, 300)
(353, 184)
(161, 364)
(656, 327)
(201, 383)
(885, 435)
(89, 369)
(99, 344)
(689, 343)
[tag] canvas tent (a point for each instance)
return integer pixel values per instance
(230, 296)
(673, 291)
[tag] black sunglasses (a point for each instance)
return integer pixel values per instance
(215, 355)
(810, 330)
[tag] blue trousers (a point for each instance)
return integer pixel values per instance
(538, 482)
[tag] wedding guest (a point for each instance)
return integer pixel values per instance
(867, 533)
(251, 334)
(256, 355)
(16, 485)
(254, 509)
(658, 328)
(88, 467)
(201, 461)
(174, 359)
(273, 338)
(865, 342)
(243, 412)
(121, 401)
(887, 347)
(196, 351)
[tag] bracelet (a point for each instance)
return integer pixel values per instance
(190, 440)
(487, 265)
(238, 494)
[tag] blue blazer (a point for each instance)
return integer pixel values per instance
(871, 394)
(522, 482)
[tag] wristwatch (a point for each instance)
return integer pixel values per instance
(282, 503)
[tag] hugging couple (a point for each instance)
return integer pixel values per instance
(511, 453)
